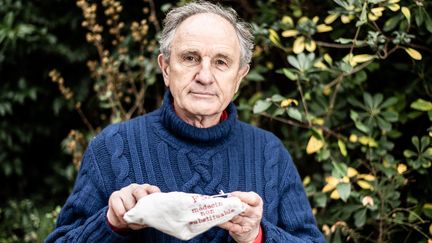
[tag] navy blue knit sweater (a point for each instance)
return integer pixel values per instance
(160, 149)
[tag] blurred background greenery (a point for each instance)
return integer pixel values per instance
(345, 84)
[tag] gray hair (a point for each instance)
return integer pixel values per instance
(177, 15)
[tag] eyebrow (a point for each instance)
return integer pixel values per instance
(197, 52)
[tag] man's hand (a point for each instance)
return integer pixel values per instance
(244, 228)
(121, 201)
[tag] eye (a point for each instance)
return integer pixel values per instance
(221, 62)
(190, 58)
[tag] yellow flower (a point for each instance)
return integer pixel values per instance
(401, 168)
(335, 195)
(377, 11)
(352, 172)
(331, 18)
(287, 20)
(346, 18)
(299, 45)
(353, 138)
(406, 12)
(328, 58)
(367, 177)
(310, 45)
(324, 28)
(362, 58)
(306, 180)
(364, 185)
(314, 145)
(320, 65)
(414, 54)
(331, 183)
(394, 7)
(368, 141)
(368, 200)
(289, 33)
(287, 102)
(318, 121)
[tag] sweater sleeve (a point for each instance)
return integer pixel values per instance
(295, 221)
(83, 217)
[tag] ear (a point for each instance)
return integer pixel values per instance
(242, 72)
(164, 66)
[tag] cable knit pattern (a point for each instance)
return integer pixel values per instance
(161, 149)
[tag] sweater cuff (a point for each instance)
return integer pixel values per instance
(115, 229)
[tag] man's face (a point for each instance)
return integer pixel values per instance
(203, 72)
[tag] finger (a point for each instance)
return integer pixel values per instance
(118, 209)
(231, 227)
(139, 192)
(144, 190)
(137, 226)
(250, 198)
(127, 197)
(152, 189)
(236, 220)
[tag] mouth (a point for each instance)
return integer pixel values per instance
(202, 93)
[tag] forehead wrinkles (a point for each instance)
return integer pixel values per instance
(206, 30)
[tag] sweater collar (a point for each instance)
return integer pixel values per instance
(172, 122)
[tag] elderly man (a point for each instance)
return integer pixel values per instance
(193, 143)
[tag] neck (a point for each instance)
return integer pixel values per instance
(199, 120)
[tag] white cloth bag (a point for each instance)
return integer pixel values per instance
(183, 215)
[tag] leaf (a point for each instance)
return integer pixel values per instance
(407, 13)
(277, 98)
(427, 210)
(389, 102)
(344, 190)
(416, 142)
(362, 58)
(278, 112)
(414, 54)
(409, 153)
(254, 76)
(342, 148)
(324, 28)
(368, 100)
(390, 116)
(290, 75)
(344, 40)
(360, 218)
(294, 62)
(274, 38)
(261, 106)
(294, 113)
(383, 124)
(391, 23)
(428, 21)
(364, 184)
(419, 16)
(299, 45)
(289, 33)
(339, 169)
(320, 200)
(355, 103)
(362, 127)
(314, 145)
(421, 105)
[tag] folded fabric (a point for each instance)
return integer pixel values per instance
(183, 215)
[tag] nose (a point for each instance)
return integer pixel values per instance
(205, 74)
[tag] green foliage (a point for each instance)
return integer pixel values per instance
(354, 82)
(22, 222)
